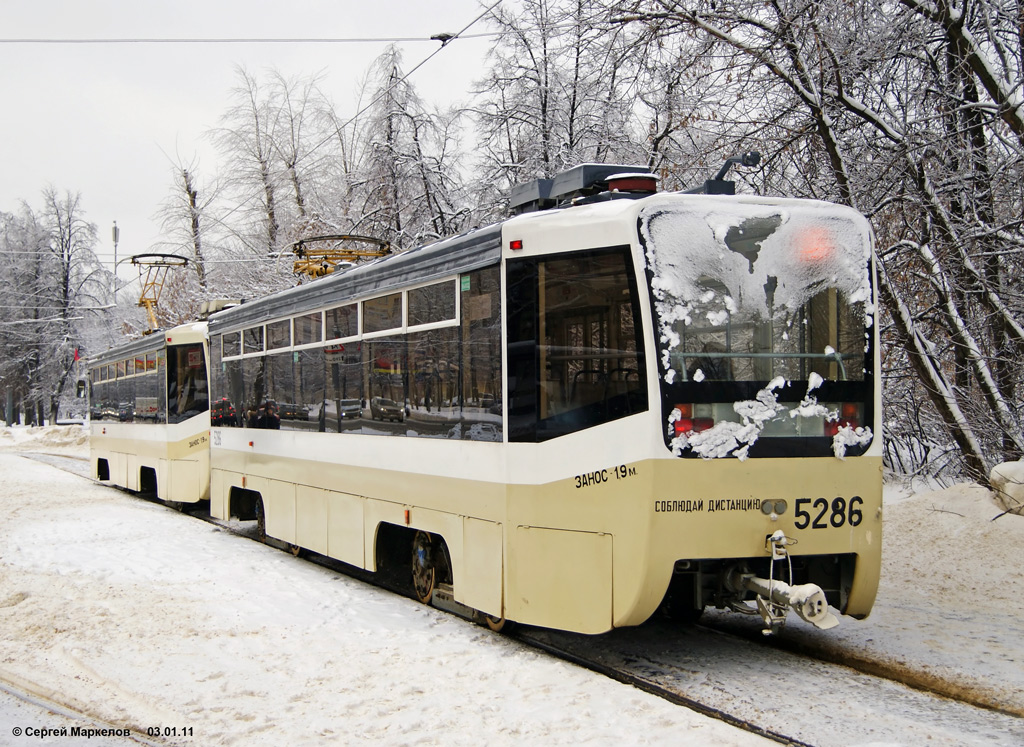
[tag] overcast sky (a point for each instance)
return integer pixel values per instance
(106, 119)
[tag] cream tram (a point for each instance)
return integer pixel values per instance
(579, 415)
(150, 417)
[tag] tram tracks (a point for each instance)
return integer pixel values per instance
(780, 690)
(72, 719)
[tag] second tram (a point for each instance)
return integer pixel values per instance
(150, 417)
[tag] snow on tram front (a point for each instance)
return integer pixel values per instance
(770, 403)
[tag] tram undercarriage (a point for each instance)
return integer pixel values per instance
(765, 586)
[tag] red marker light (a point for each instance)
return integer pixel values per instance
(849, 417)
(689, 424)
(694, 425)
(515, 244)
(813, 244)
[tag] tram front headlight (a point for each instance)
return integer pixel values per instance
(767, 508)
(780, 507)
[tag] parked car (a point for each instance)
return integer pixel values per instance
(386, 409)
(351, 408)
(289, 411)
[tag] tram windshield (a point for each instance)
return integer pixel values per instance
(764, 325)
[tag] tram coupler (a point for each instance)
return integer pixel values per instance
(775, 598)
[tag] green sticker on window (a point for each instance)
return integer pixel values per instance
(465, 282)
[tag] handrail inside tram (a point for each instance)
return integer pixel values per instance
(837, 357)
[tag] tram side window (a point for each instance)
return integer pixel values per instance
(187, 392)
(385, 370)
(309, 329)
(103, 402)
(252, 340)
(430, 383)
(295, 391)
(342, 321)
(310, 390)
(382, 313)
(435, 397)
(231, 343)
(161, 386)
(146, 405)
(480, 360)
(576, 356)
(345, 397)
(432, 303)
(279, 334)
(228, 409)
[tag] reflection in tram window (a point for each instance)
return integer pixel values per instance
(309, 329)
(433, 303)
(343, 321)
(187, 392)
(279, 334)
(575, 355)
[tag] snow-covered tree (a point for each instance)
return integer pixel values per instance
(55, 284)
(909, 111)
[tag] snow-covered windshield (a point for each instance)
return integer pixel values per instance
(750, 291)
(764, 315)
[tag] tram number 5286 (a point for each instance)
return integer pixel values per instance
(835, 514)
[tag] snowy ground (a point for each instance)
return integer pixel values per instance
(142, 617)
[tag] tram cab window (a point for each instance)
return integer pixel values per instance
(187, 392)
(575, 354)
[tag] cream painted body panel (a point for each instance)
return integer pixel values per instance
(549, 534)
(179, 455)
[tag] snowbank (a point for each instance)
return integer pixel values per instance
(72, 440)
(1007, 482)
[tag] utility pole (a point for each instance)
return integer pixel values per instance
(116, 233)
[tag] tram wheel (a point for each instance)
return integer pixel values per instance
(424, 574)
(498, 624)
